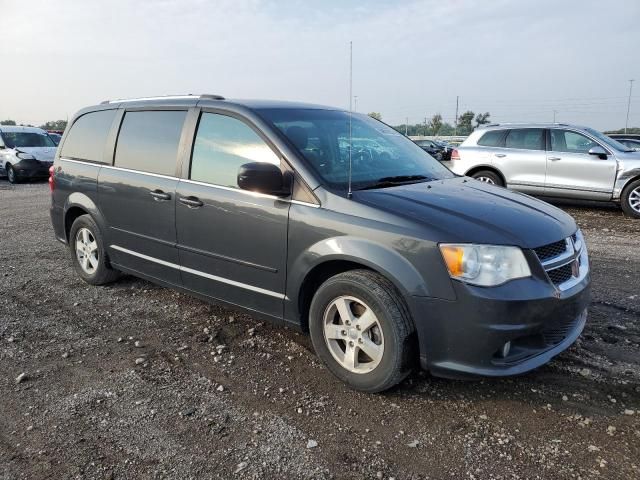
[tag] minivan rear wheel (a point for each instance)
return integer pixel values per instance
(361, 329)
(487, 176)
(88, 252)
(630, 199)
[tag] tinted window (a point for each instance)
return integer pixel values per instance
(525, 138)
(88, 136)
(27, 139)
(493, 138)
(572, 142)
(222, 145)
(148, 141)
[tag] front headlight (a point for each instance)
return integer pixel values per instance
(484, 265)
(25, 156)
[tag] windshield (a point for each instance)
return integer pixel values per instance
(26, 139)
(379, 154)
(608, 140)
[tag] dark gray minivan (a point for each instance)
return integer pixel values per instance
(326, 221)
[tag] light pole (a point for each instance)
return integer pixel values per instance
(355, 103)
(554, 115)
(626, 124)
(406, 127)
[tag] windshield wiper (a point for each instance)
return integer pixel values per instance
(385, 182)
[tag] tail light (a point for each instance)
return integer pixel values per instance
(52, 180)
(455, 155)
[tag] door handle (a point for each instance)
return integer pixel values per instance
(501, 155)
(159, 195)
(553, 159)
(191, 202)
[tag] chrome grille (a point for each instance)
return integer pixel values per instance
(564, 260)
(552, 250)
(561, 274)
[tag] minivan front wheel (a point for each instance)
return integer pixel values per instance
(630, 199)
(361, 329)
(88, 253)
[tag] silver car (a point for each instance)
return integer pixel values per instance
(552, 160)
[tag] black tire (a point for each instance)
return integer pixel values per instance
(103, 273)
(380, 295)
(629, 195)
(486, 175)
(12, 176)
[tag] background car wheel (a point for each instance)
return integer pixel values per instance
(630, 199)
(12, 176)
(361, 329)
(487, 176)
(88, 252)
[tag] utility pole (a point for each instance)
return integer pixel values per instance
(456, 129)
(425, 126)
(626, 124)
(406, 127)
(554, 115)
(355, 103)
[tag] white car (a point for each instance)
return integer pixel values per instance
(25, 153)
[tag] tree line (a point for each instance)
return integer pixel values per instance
(467, 123)
(51, 125)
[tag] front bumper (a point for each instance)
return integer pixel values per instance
(32, 168)
(465, 337)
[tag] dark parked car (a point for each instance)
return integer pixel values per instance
(386, 260)
(439, 150)
(56, 137)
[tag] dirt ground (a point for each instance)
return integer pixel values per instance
(209, 393)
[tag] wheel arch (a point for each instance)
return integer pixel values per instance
(78, 204)
(337, 255)
(490, 168)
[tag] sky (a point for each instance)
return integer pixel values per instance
(518, 60)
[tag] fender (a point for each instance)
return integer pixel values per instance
(83, 201)
(624, 177)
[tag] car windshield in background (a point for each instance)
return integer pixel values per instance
(608, 140)
(27, 139)
(380, 156)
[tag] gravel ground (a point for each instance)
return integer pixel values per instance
(136, 381)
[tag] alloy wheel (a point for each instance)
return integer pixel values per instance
(485, 180)
(353, 334)
(634, 199)
(87, 250)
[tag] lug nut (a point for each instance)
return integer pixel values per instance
(360, 340)
(343, 332)
(351, 344)
(348, 322)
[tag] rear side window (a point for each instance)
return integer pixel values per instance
(88, 136)
(493, 138)
(525, 138)
(571, 142)
(148, 141)
(222, 145)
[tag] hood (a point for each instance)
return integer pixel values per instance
(467, 211)
(44, 154)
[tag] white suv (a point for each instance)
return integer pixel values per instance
(553, 160)
(25, 152)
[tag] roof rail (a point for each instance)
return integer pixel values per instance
(164, 97)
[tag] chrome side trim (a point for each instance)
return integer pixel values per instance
(82, 162)
(140, 172)
(194, 182)
(199, 273)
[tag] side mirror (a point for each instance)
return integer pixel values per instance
(263, 178)
(599, 151)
